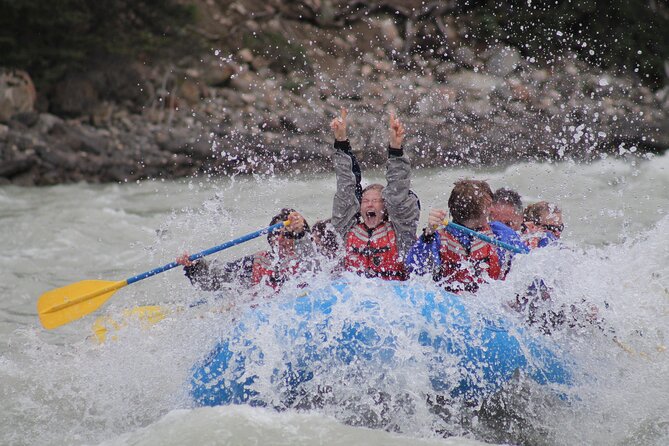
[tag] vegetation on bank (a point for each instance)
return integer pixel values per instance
(623, 35)
(48, 39)
(51, 39)
(164, 89)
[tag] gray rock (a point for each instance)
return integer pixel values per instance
(475, 85)
(466, 57)
(14, 167)
(443, 71)
(79, 138)
(201, 149)
(388, 36)
(219, 74)
(436, 102)
(503, 61)
(59, 157)
(28, 119)
(246, 82)
(74, 96)
(17, 93)
(662, 96)
(268, 121)
(350, 88)
(176, 141)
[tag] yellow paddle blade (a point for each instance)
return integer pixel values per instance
(69, 303)
(148, 316)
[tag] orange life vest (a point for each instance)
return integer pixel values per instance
(270, 271)
(463, 269)
(373, 252)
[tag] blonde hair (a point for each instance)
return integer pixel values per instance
(374, 186)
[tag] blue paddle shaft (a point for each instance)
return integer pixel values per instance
(485, 238)
(206, 252)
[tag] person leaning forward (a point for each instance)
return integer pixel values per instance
(542, 225)
(456, 259)
(291, 253)
(378, 224)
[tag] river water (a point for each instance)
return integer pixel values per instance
(62, 387)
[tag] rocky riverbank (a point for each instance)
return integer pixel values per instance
(266, 111)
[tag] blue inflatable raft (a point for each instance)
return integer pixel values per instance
(370, 328)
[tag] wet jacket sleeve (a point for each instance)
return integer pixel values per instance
(507, 235)
(424, 257)
(402, 205)
(214, 276)
(346, 203)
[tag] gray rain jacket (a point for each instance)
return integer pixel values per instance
(401, 204)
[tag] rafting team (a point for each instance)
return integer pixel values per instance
(372, 231)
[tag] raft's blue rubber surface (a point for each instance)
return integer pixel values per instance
(287, 344)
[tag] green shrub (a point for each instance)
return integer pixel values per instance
(48, 38)
(284, 55)
(619, 34)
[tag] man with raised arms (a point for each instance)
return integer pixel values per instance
(378, 224)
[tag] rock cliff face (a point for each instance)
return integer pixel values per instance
(261, 100)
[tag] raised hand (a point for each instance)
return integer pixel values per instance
(296, 223)
(184, 260)
(396, 132)
(338, 126)
(434, 220)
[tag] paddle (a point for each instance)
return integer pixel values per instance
(69, 303)
(485, 238)
(147, 316)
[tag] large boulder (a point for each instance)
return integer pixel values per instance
(17, 93)
(503, 61)
(473, 85)
(75, 95)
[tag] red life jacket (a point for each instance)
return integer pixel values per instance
(535, 236)
(373, 253)
(463, 269)
(270, 271)
(532, 239)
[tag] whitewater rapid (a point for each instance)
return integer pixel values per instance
(61, 387)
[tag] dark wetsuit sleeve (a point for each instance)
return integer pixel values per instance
(345, 146)
(212, 277)
(402, 206)
(507, 235)
(346, 202)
